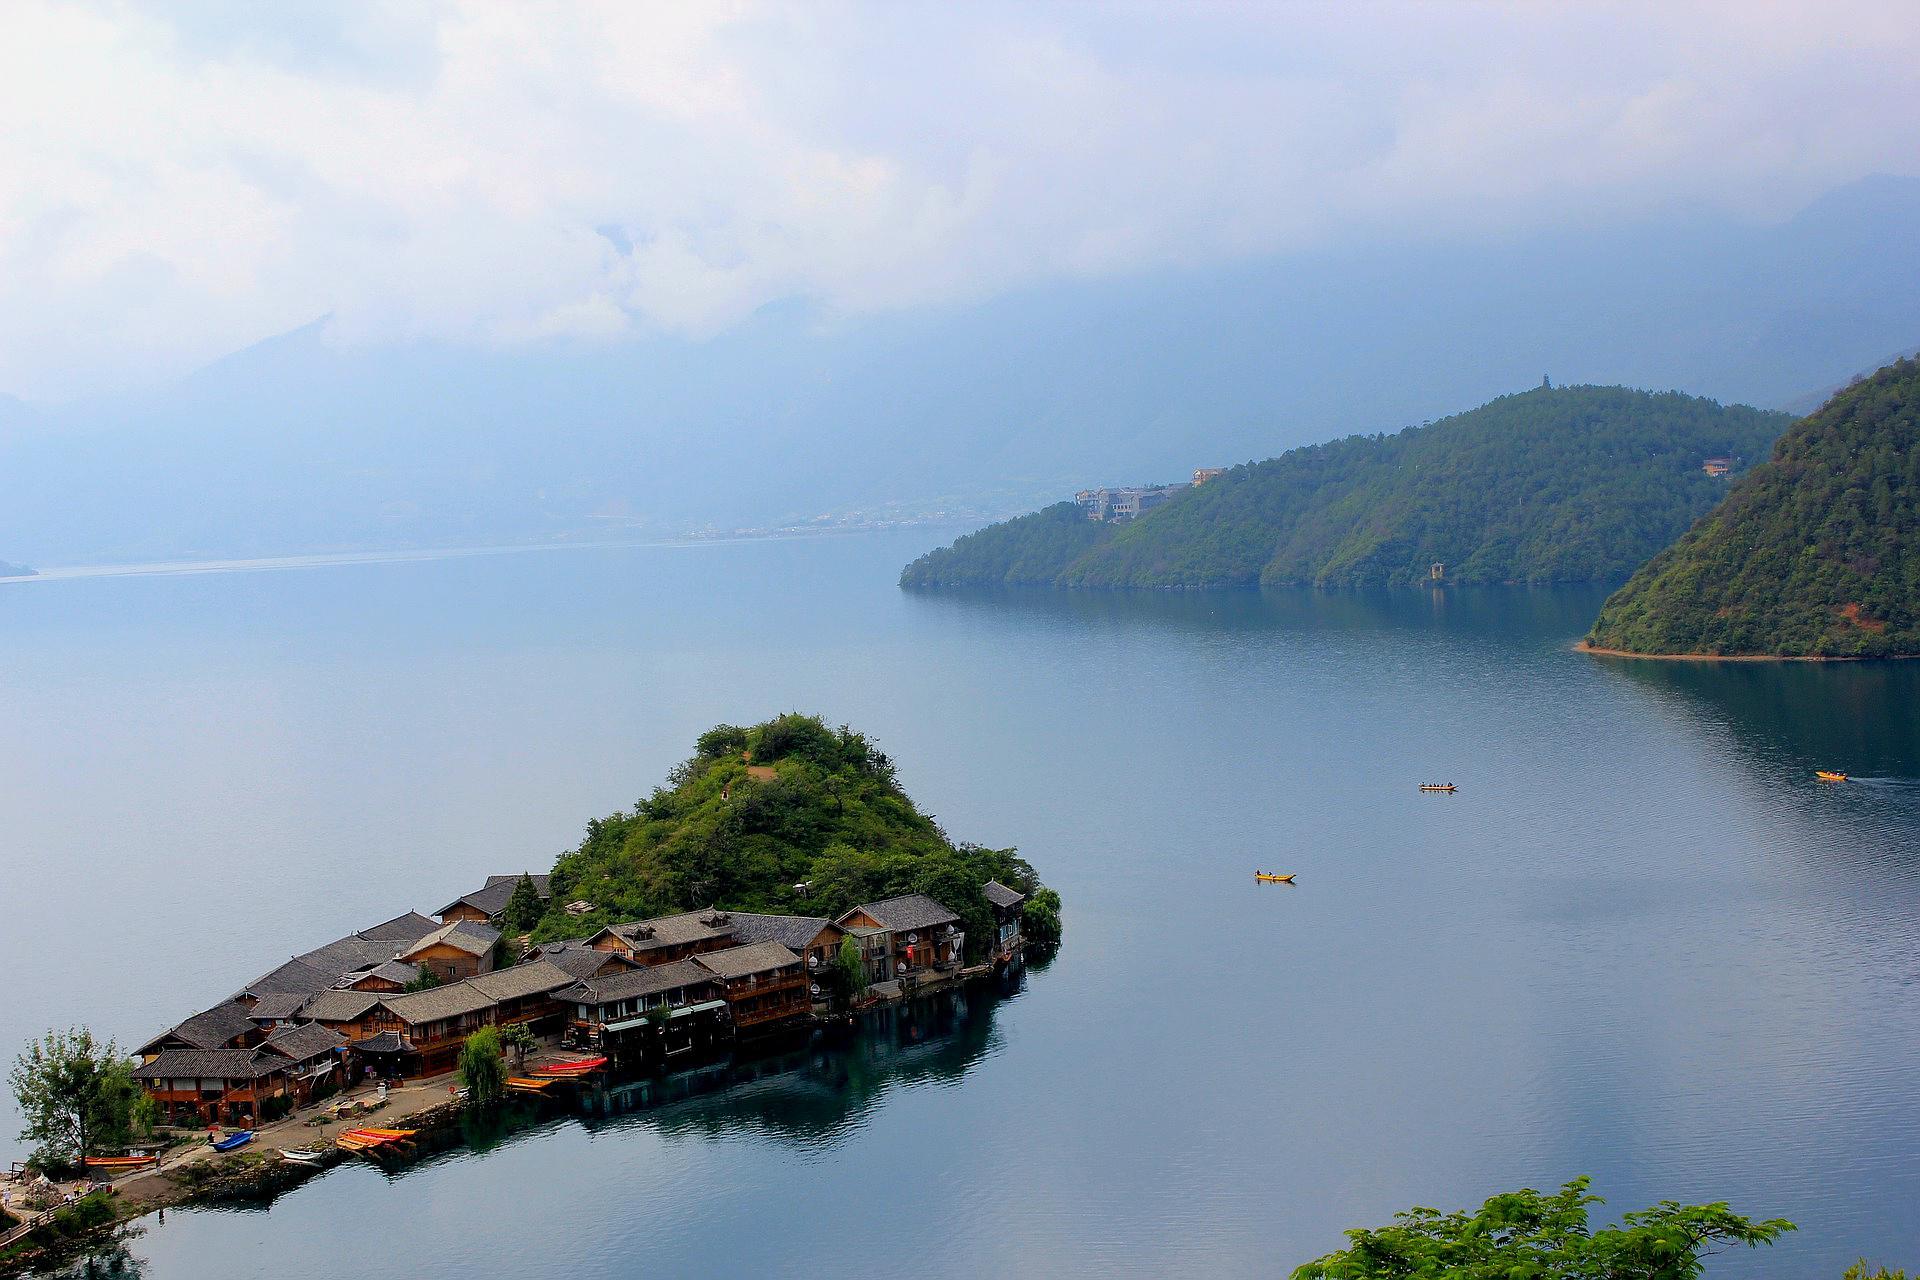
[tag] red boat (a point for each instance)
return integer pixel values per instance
(577, 1067)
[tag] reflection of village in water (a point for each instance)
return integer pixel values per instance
(809, 1089)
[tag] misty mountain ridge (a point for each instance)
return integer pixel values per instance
(296, 444)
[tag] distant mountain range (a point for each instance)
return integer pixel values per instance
(1816, 553)
(1571, 484)
(966, 412)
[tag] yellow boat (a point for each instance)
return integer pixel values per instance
(525, 1084)
(1274, 877)
(1827, 775)
(1438, 786)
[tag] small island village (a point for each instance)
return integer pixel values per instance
(631, 997)
(376, 1021)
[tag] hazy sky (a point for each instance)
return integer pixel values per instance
(179, 180)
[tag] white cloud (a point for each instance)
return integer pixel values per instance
(177, 182)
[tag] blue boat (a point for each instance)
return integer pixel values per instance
(232, 1140)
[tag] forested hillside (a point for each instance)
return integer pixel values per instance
(1814, 554)
(757, 812)
(1570, 484)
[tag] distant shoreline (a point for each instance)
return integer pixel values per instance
(1597, 651)
(330, 559)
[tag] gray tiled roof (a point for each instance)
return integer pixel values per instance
(521, 980)
(755, 957)
(385, 1042)
(276, 1005)
(579, 959)
(909, 911)
(339, 1006)
(796, 933)
(492, 897)
(210, 1064)
(674, 931)
(397, 971)
(436, 1003)
(469, 936)
(295, 975)
(1001, 896)
(309, 1040)
(635, 982)
(213, 1028)
(401, 929)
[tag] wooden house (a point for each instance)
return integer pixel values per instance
(388, 977)
(350, 1013)
(815, 939)
(454, 951)
(667, 938)
(763, 983)
(241, 1086)
(582, 961)
(488, 903)
(655, 1012)
(430, 1027)
(908, 935)
(1007, 905)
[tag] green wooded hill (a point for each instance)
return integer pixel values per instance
(1559, 484)
(725, 832)
(1815, 553)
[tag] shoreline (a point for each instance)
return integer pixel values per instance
(1597, 651)
(260, 1172)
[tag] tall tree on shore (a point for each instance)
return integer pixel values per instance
(483, 1067)
(524, 908)
(518, 1040)
(76, 1094)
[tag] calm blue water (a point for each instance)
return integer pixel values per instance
(1640, 943)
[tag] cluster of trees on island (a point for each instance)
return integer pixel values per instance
(786, 817)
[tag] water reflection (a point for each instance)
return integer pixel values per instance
(810, 1092)
(1500, 613)
(1862, 718)
(820, 1093)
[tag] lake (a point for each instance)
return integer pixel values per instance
(1640, 942)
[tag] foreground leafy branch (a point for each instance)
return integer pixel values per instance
(1524, 1235)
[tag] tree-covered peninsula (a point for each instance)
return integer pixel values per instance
(1558, 484)
(789, 816)
(1816, 553)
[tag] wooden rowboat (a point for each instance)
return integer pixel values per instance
(303, 1155)
(1438, 786)
(120, 1163)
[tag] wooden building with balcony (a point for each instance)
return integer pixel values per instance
(908, 935)
(1007, 905)
(488, 903)
(454, 951)
(651, 1013)
(241, 1086)
(815, 939)
(667, 938)
(764, 984)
